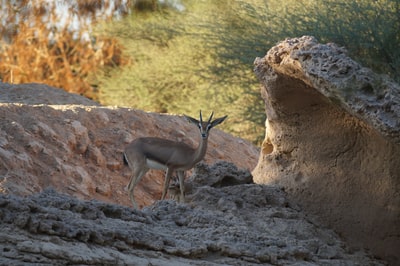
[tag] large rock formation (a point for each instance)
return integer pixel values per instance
(226, 222)
(333, 140)
(49, 137)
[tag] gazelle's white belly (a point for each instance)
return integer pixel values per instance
(155, 165)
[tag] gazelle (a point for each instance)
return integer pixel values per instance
(144, 154)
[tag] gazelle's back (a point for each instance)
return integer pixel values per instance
(163, 151)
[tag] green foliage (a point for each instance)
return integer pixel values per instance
(176, 68)
(202, 57)
(370, 30)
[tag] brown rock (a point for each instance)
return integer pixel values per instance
(332, 140)
(52, 138)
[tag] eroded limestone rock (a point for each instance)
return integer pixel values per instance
(333, 140)
(236, 224)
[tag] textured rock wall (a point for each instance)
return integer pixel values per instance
(332, 140)
(224, 223)
(49, 137)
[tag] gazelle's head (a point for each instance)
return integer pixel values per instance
(205, 127)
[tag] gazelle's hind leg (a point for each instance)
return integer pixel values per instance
(168, 174)
(181, 175)
(137, 173)
(134, 181)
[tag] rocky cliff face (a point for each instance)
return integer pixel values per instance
(322, 154)
(52, 138)
(333, 141)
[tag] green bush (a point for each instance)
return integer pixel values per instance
(177, 69)
(370, 30)
(202, 57)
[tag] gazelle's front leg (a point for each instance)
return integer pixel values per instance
(168, 174)
(181, 175)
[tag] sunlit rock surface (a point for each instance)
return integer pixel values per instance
(49, 137)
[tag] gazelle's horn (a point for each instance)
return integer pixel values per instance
(201, 117)
(209, 120)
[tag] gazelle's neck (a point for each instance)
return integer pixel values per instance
(200, 151)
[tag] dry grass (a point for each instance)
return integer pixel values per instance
(57, 57)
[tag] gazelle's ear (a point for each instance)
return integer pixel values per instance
(218, 121)
(192, 120)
